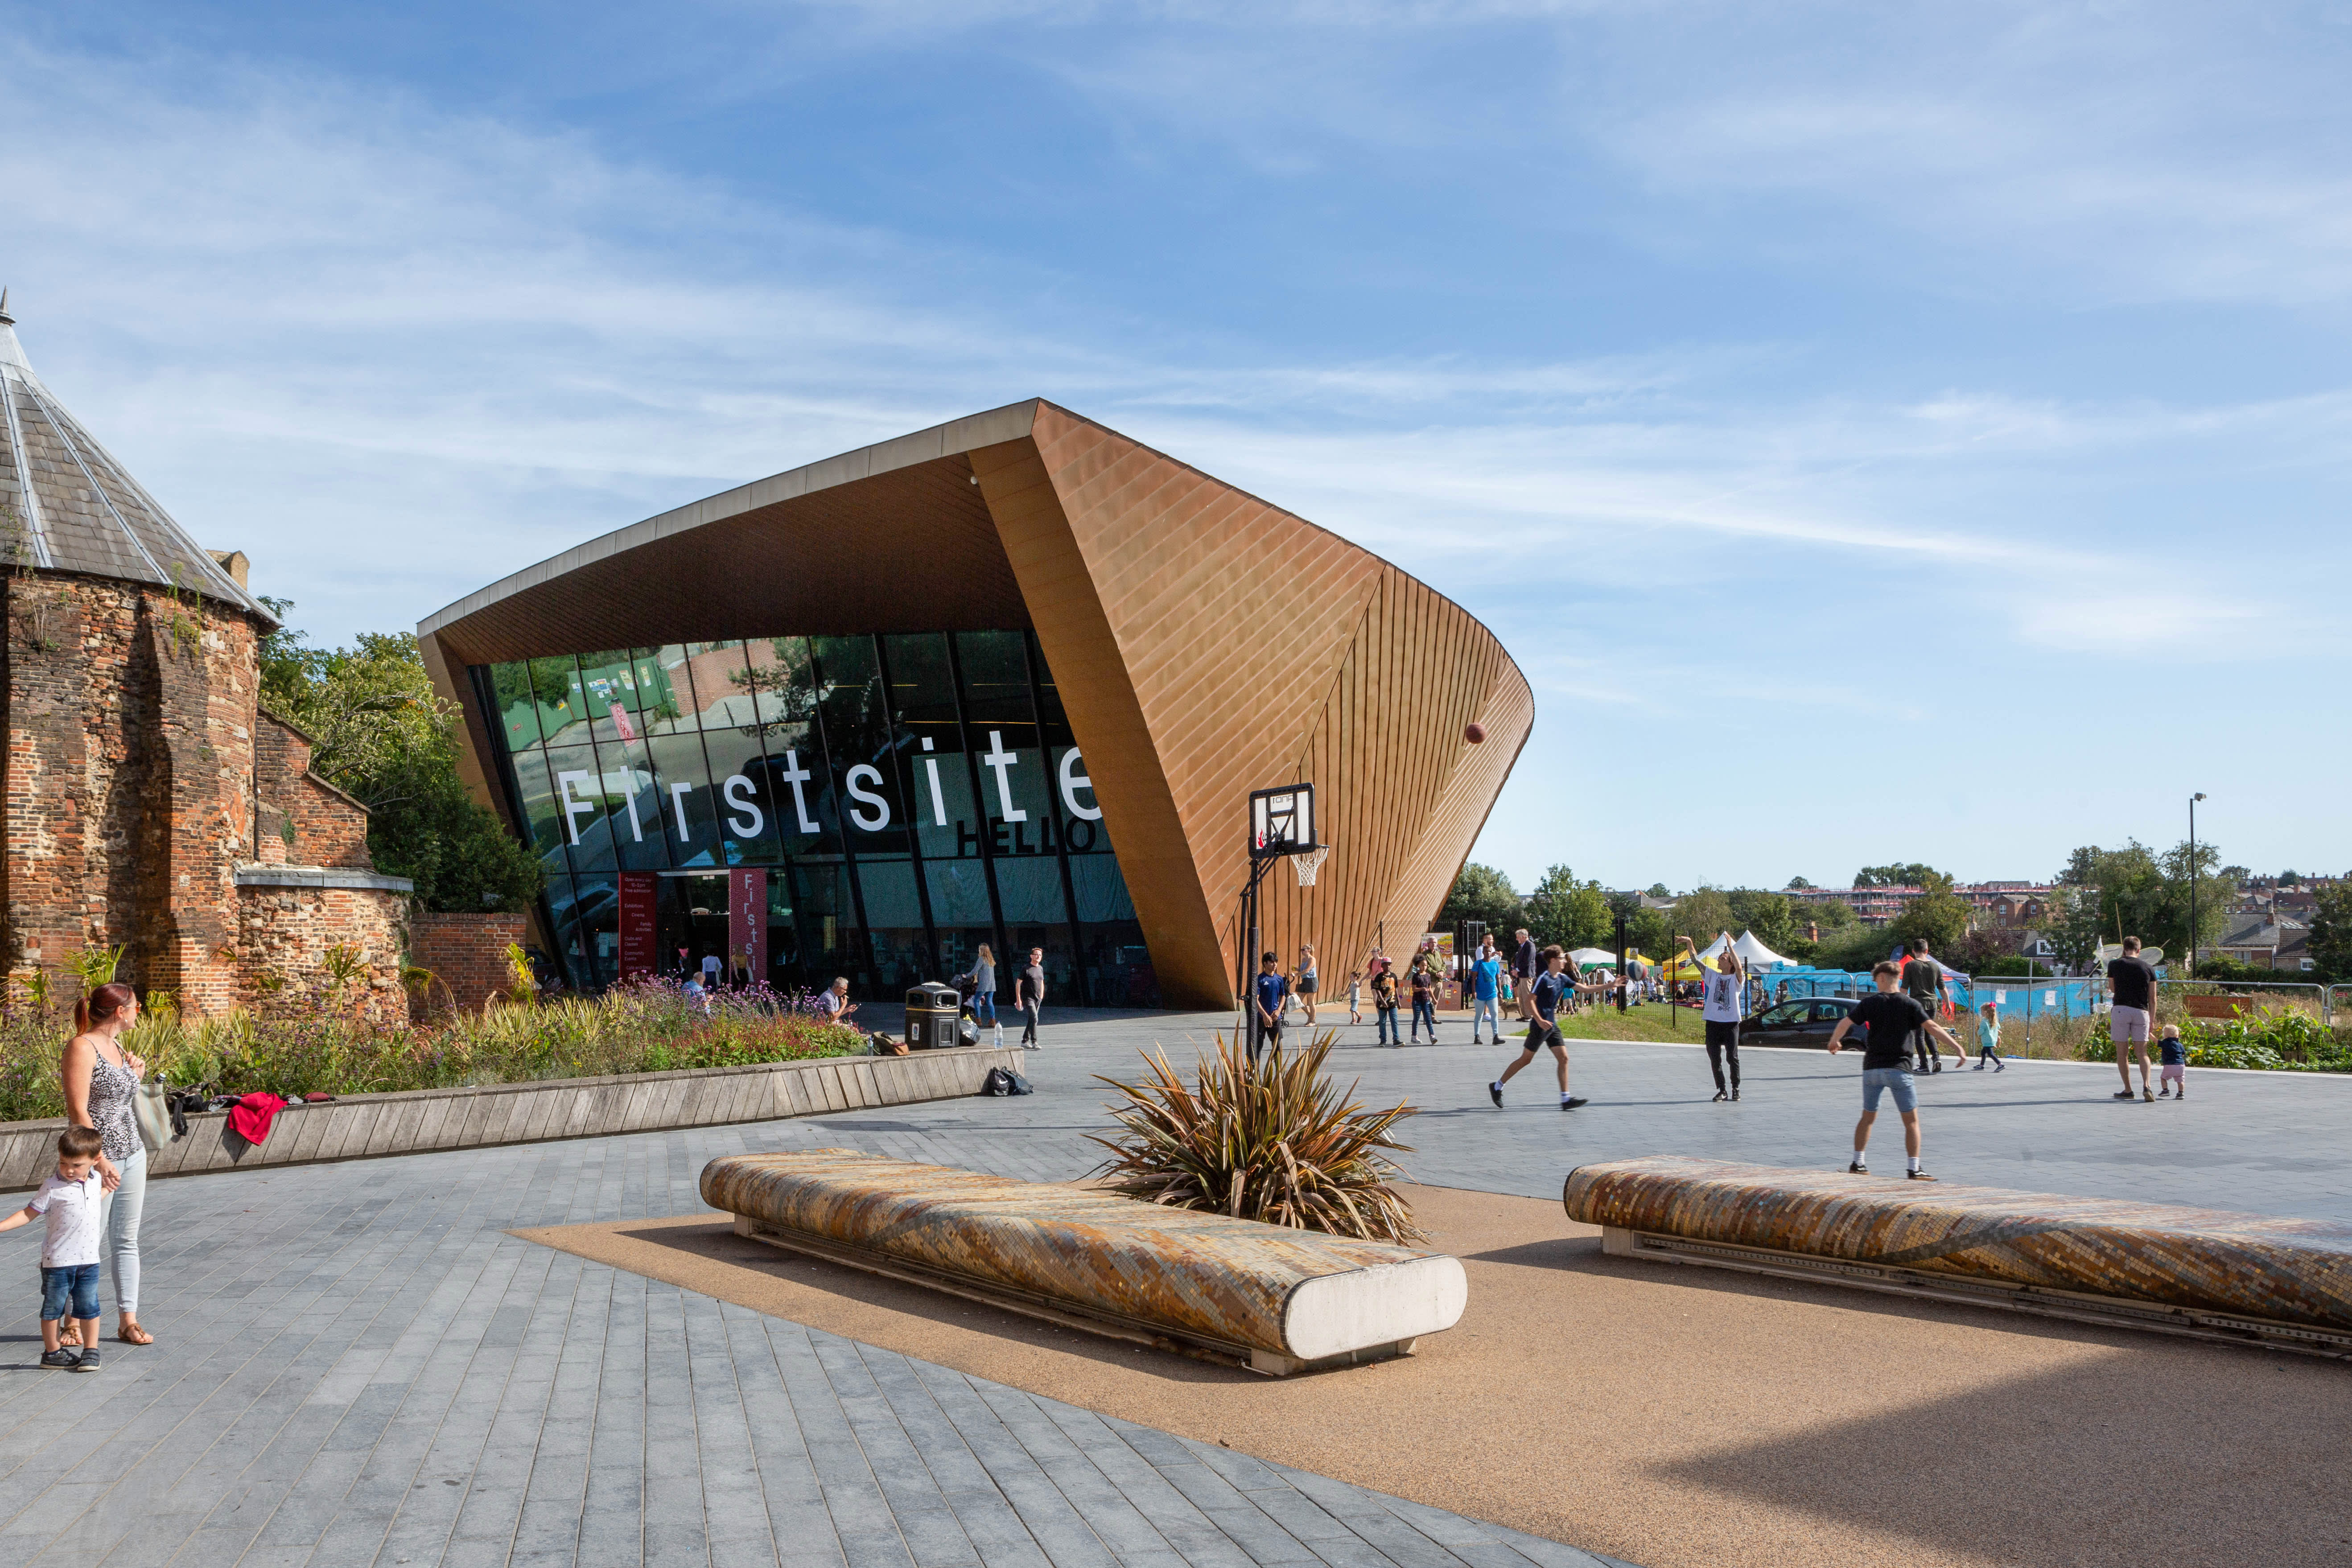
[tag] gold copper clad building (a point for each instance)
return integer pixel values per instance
(1006, 681)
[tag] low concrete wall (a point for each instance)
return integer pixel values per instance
(362, 1126)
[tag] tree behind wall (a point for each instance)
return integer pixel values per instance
(1483, 893)
(380, 732)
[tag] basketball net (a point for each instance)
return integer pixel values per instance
(1306, 862)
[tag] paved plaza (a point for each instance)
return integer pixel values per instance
(357, 1365)
(2270, 1142)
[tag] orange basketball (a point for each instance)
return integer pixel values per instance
(1475, 733)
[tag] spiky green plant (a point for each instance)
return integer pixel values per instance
(1274, 1140)
(95, 966)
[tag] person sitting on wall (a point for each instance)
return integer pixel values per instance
(833, 1003)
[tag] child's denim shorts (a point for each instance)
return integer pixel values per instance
(77, 1286)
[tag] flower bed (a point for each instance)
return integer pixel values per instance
(647, 1026)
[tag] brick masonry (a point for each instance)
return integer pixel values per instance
(468, 956)
(140, 775)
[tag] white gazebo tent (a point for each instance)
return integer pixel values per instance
(1755, 954)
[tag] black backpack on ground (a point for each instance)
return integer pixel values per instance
(1000, 1083)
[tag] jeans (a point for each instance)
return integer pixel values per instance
(76, 1288)
(119, 1212)
(1486, 1009)
(1385, 1021)
(983, 1008)
(1029, 1026)
(1424, 1006)
(1879, 1080)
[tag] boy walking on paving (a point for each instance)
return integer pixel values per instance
(1485, 985)
(1267, 998)
(2176, 1063)
(1384, 1004)
(70, 1200)
(1892, 1017)
(2131, 986)
(1545, 996)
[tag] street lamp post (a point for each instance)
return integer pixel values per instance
(2192, 883)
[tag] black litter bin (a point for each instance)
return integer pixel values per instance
(931, 1010)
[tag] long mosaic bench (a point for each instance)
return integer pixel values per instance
(2209, 1273)
(1274, 1299)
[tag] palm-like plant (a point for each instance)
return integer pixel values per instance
(1275, 1141)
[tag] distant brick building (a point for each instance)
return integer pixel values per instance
(151, 804)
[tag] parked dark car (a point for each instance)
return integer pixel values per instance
(1800, 1021)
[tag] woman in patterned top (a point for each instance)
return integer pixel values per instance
(100, 1078)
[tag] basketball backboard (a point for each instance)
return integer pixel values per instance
(1282, 821)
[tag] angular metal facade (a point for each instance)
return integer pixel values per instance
(1203, 643)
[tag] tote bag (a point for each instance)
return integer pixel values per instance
(151, 1108)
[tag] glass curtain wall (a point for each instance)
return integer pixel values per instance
(912, 797)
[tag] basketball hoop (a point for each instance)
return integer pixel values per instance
(1308, 861)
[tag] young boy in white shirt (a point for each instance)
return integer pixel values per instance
(70, 1201)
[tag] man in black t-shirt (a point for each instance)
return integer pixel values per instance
(1923, 982)
(1891, 1019)
(1546, 995)
(2131, 995)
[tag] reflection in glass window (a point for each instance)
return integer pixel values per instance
(827, 926)
(543, 822)
(690, 818)
(864, 793)
(894, 920)
(584, 811)
(959, 893)
(775, 673)
(937, 781)
(1002, 731)
(738, 776)
(528, 693)
(665, 674)
(723, 686)
(633, 805)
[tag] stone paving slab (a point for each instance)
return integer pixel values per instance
(356, 1364)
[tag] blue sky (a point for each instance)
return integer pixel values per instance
(1880, 432)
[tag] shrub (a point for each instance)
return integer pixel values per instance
(646, 1026)
(1276, 1142)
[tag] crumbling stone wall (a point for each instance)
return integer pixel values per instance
(468, 955)
(137, 765)
(300, 819)
(284, 941)
(130, 756)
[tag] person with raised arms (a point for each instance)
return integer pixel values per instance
(1892, 1017)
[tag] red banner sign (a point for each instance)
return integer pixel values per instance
(638, 956)
(747, 924)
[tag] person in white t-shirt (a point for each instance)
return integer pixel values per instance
(70, 1200)
(1722, 1007)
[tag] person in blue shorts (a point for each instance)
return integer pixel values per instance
(1549, 993)
(1892, 1017)
(1267, 998)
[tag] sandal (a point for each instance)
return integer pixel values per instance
(132, 1334)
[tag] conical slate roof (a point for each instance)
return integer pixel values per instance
(66, 505)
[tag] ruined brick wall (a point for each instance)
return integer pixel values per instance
(284, 939)
(301, 820)
(129, 764)
(467, 952)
